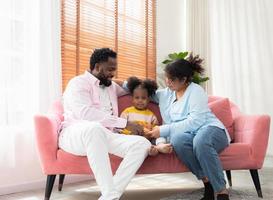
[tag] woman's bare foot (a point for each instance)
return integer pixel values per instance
(153, 151)
(164, 148)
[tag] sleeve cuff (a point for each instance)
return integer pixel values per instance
(114, 122)
(122, 123)
(164, 130)
(124, 86)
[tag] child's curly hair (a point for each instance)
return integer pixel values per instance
(148, 84)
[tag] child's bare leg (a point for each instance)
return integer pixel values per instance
(164, 148)
(153, 151)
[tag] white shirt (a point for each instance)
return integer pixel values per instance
(105, 102)
(84, 100)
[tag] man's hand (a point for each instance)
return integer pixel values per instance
(135, 128)
(155, 133)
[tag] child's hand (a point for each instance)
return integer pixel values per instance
(134, 128)
(149, 127)
(146, 131)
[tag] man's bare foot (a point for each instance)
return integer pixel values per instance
(164, 148)
(153, 151)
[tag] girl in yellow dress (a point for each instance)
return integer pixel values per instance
(141, 91)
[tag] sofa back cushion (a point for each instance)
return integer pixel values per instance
(219, 106)
(221, 109)
(57, 109)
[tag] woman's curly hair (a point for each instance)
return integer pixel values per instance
(185, 68)
(148, 84)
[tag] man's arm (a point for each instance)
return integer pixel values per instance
(80, 104)
(121, 87)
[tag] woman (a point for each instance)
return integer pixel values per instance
(196, 135)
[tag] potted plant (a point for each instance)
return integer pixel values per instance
(197, 77)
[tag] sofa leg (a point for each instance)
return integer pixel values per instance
(49, 185)
(228, 173)
(255, 178)
(61, 181)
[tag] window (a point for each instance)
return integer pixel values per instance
(126, 26)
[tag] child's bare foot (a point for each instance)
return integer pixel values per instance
(164, 148)
(153, 151)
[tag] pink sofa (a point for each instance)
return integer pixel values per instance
(246, 152)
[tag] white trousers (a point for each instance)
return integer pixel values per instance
(95, 141)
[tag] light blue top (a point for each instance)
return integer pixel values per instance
(188, 114)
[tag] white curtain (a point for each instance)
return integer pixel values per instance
(242, 53)
(198, 33)
(30, 77)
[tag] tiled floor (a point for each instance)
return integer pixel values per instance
(152, 187)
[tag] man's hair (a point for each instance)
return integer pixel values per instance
(101, 55)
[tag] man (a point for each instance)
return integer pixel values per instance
(90, 116)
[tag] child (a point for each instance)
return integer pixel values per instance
(141, 90)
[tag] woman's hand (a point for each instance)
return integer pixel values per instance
(155, 133)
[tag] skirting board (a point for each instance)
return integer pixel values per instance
(9, 189)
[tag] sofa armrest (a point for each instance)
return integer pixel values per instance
(46, 138)
(253, 130)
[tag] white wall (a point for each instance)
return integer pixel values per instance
(171, 34)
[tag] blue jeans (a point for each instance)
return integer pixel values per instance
(199, 152)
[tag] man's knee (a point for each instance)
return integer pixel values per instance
(144, 143)
(92, 129)
(140, 144)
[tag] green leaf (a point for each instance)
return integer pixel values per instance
(197, 78)
(166, 61)
(204, 79)
(173, 56)
(183, 55)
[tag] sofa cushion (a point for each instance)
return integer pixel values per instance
(221, 109)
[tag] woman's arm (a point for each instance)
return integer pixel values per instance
(198, 107)
(156, 97)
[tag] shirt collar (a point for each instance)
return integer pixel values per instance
(91, 78)
(185, 93)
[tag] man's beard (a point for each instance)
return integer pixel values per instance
(103, 80)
